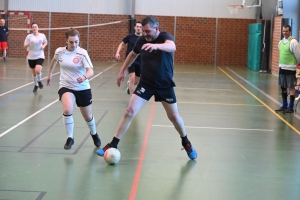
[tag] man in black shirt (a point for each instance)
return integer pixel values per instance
(156, 51)
(134, 70)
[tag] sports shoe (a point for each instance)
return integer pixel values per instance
(128, 91)
(69, 143)
(280, 109)
(288, 111)
(96, 139)
(101, 152)
(40, 84)
(35, 88)
(190, 150)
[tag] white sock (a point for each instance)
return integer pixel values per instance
(35, 80)
(69, 124)
(92, 126)
(39, 77)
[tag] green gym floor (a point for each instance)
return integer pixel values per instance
(245, 150)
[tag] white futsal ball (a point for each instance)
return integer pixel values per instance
(112, 156)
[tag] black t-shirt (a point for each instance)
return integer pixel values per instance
(156, 67)
(131, 39)
(3, 31)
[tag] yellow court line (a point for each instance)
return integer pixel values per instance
(270, 109)
(223, 104)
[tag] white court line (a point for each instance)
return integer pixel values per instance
(50, 104)
(219, 128)
(23, 86)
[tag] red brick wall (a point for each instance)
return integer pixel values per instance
(195, 36)
(275, 41)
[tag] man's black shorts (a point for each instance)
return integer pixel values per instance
(160, 94)
(135, 68)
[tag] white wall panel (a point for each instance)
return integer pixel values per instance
(192, 8)
(189, 8)
(73, 6)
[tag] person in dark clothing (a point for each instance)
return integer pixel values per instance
(156, 50)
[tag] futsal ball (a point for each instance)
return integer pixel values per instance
(112, 156)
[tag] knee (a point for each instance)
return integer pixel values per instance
(129, 112)
(175, 118)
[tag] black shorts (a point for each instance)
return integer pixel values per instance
(160, 94)
(135, 68)
(287, 78)
(33, 63)
(83, 98)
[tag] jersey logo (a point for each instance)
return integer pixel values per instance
(76, 60)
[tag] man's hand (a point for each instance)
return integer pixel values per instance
(149, 47)
(121, 76)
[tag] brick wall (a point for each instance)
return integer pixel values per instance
(275, 41)
(195, 36)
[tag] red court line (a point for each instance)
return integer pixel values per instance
(136, 178)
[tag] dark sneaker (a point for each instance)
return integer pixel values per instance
(96, 139)
(101, 152)
(280, 109)
(191, 152)
(35, 88)
(40, 84)
(288, 111)
(69, 143)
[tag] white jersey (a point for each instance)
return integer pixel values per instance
(73, 64)
(34, 49)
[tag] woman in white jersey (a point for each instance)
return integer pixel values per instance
(75, 70)
(35, 44)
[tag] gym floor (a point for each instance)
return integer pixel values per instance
(245, 150)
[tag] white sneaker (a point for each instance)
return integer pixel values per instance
(128, 92)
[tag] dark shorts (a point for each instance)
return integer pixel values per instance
(135, 68)
(160, 94)
(287, 78)
(33, 63)
(83, 98)
(3, 45)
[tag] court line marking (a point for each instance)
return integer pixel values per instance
(23, 86)
(185, 88)
(267, 95)
(50, 104)
(263, 103)
(219, 128)
(137, 174)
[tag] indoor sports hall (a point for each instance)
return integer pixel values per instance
(226, 74)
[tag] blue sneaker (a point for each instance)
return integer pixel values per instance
(101, 152)
(190, 150)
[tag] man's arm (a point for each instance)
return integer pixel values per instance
(121, 45)
(295, 48)
(129, 59)
(168, 46)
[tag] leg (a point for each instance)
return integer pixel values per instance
(38, 71)
(34, 79)
(135, 104)
(174, 117)
(131, 83)
(290, 108)
(87, 114)
(68, 100)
